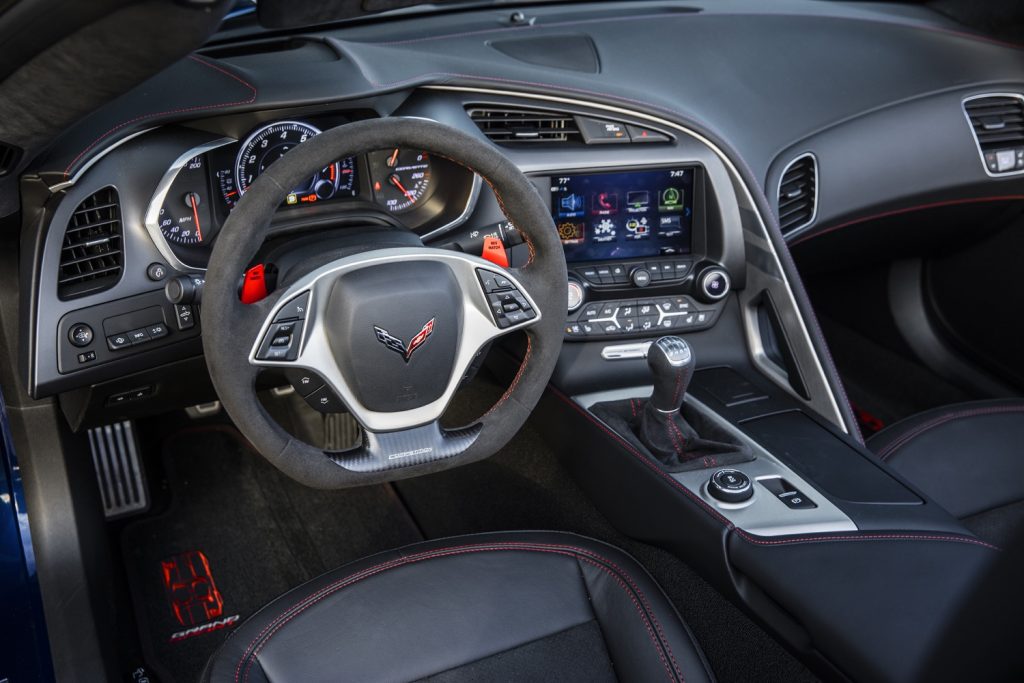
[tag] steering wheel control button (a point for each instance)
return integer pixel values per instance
(730, 486)
(281, 342)
(325, 401)
(185, 316)
(294, 310)
(713, 284)
(790, 495)
(304, 381)
(116, 342)
(156, 272)
(80, 335)
(508, 305)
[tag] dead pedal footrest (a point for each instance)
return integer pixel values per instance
(122, 482)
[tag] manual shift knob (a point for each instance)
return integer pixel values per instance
(671, 361)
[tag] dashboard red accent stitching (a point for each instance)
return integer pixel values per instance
(200, 107)
(905, 210)
(750, 538)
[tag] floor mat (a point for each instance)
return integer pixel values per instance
(237, 534)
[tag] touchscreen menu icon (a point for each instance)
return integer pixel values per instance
(638, 201)
(638, 229)
(572, 232)
(670, 199)
(605, 230)
(669, 226)
(570, 206)
(605, 204)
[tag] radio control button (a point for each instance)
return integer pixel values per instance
(641, 277)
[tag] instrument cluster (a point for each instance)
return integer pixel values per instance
(196, 195)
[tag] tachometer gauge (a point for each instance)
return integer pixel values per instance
(268, 144)
(401, 178)
(185, 213)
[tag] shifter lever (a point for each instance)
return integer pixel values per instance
(671, 361)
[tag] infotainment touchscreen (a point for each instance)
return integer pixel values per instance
(624, 215)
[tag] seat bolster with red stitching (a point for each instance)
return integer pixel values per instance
(968, 457)
(498, 606)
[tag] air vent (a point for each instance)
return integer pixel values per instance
(798, 194)
(998, 125)
(9, 157)
(91, 256)
(506, 126)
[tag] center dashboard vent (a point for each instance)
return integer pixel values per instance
(523, 125)
(91, 256)
(798, 194)
(515, 125)
(998, 125)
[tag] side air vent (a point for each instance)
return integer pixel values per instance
(91, 256)
(798, 194)
(998, 125)
(9, 158)
(522, 125)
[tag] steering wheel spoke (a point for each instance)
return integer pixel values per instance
(381, 451)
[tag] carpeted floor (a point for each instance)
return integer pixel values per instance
(261, 533)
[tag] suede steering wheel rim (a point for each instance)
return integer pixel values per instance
(338, 341)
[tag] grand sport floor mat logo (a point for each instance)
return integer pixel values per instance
(193, 596)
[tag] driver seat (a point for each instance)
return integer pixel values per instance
(517, 606)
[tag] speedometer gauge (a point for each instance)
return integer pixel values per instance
(268, 144)
(401, 178)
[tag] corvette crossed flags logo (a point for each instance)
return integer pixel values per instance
(398, 346)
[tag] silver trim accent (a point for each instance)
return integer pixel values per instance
(762, 515)
(974, 133)
(95, 158)
(467, 211)
(797, 318)
(704, 282)
(790, 232)
(573, 283)
(315, 353)
(626, 351)
(151, 219)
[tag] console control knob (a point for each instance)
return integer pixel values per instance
(641, 277)
(80, 335)
(575, 294)
(713, 284)
(730, 486)
(184, 289)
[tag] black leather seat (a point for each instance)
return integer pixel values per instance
(522, 606)
(967, 457)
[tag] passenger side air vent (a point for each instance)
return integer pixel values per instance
(798, 194)
(9, 157)
(522, 125)
(91, 254)
(998, 125)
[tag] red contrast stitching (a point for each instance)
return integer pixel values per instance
(515, 380)
(890, 449)
(183, 110)
(854, 536)
(580, 554)
(909, 209)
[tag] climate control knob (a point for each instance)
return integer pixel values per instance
(713, 284)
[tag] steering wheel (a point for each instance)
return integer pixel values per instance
(388, 330)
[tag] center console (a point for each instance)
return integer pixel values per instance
(636, 246)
